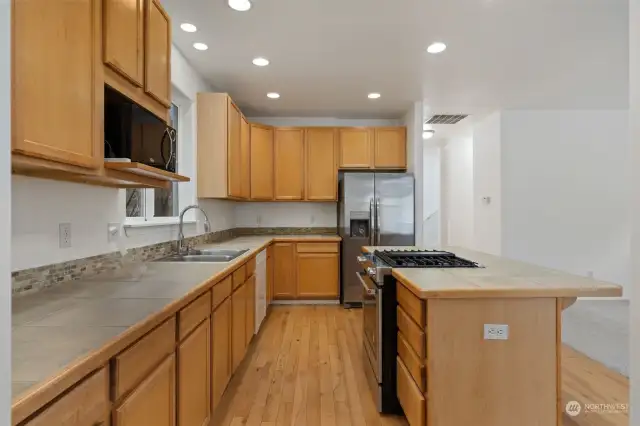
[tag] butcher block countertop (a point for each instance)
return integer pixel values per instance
(62, 333)
(500, 277)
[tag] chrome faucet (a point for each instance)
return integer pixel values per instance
(207, 224)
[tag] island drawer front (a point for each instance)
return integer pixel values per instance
(412, 333)
(317, 247)
(414, 306)
(414, 364)
(221, 291)
(251, 266)
(137, 361)
(86, 404)
(239, 276)
(410, 397)
(193, 314)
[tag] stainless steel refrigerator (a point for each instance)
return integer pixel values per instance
(374, 209)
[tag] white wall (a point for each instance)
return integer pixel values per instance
(260, 215)
(431, 212)
(487, 185)
(565, 182)
(5, 214)
(415, 157)
(457, 193)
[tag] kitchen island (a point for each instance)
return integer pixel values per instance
(482, 346)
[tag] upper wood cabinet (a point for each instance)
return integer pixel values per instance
(235, 151)
(124, 38)
(157, 57)
(245, 158)
(289, 164)
(261, 162)
(322, 173)
(194, 378)
(355, 148)
(57, 86)
(390, 148)
(284, 282)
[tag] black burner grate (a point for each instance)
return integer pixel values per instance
(423, 259)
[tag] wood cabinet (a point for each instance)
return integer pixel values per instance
(284, 282)
(261, 162)
(355, 148)
(238, 326)
(317, 275)
(157, 55)
(269, 289)
(245, 158)
(321, 168)
(235, 151)
(289, 164)
(194, 377)
(390, 148)
(124, 38)
(250, 293)
(57, 88)
(221, 350)
(153, 401)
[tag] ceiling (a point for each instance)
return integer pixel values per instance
(327, 55)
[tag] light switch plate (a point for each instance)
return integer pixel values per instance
(496, 332)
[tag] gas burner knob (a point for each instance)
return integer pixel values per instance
(371, 271)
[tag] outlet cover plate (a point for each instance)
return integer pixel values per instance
(496, 332)
(64, 235)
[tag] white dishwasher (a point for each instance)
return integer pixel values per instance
(261, 288)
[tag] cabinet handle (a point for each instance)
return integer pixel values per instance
(100, 423)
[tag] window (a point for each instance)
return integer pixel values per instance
(151, 203)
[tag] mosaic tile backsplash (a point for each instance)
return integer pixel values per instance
(34, 279)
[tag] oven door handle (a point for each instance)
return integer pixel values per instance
(370, 291)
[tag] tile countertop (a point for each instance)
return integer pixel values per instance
(500, 277)
(58, 328)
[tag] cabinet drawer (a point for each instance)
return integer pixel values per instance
(221, 291)
(193, 314)
(412, 305)
(239, 276)
(86, 404)
(410, 397)
(137, 361)
(413, 363)
(251, 266)
(412, 333)
(317, 247)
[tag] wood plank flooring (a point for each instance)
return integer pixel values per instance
(305, 368)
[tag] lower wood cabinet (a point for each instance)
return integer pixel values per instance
(412, 400)
(194, 384)
(317, 275)
(284, 282)
(238, 326)
(153, 402)
(250, 291)
(220, 350)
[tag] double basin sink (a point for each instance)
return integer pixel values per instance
(210, 255)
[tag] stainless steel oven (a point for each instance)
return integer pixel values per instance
(371, 331)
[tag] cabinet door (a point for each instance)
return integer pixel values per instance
(289, 164)
(153, 401)
(261, 163)
(57, 81)
(238, 326)
(234, 159)
(355, 148)
(245, 158)
(322, 173)
(251, 308)
(390, 148)
(221, 350)
(284, 284)
(124, 38)
(317, 275)
(194, 378)
(157, 55)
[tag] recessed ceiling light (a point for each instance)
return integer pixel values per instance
(428, 134)
(436, 47)
(240, 5)
(273, 95)
(200, 46)
(190, 28)
(260, 62)
(373, 95)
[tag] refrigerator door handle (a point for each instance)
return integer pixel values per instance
(372, 231)
(378, 221)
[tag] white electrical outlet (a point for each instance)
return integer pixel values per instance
(258, 220)
(496, 332)
(590, 274)
(313, 219)
(64, 235)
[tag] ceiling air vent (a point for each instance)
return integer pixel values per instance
(445, 119)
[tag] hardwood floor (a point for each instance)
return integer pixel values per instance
(305, 368)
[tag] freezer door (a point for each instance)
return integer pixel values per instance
(394, 200)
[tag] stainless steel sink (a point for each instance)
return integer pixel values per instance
(211, 255)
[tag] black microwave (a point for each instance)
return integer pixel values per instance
(132, 132)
